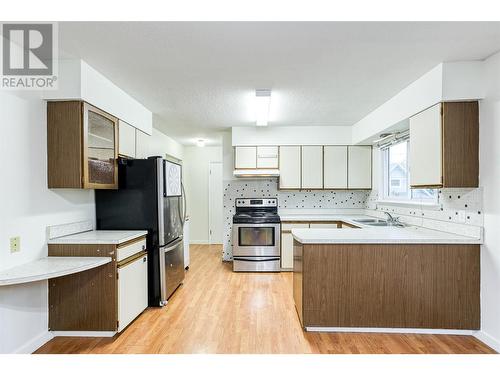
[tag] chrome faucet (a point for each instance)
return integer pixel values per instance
(391, 220)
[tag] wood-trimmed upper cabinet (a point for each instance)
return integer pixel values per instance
(267, 157)
(245, 157)
(82, 146)
(444, 146)
(335, 167)
(312, 167)
(359, 167)
(290, 165)
(126, 139)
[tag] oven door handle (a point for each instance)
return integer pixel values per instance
(256, 259)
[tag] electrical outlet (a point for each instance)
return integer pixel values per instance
(15, 244)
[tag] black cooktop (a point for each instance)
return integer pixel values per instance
(256, 218)
(256, 211)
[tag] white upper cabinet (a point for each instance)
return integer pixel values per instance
(289, 162)
(142, 142)
(359, 172)
(126, 137)
(245, 157)
(312, 167)
(426, 147)
(335, 167)
(267, 157)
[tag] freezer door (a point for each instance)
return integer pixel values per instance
(171, 267)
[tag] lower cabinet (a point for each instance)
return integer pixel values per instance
(106, 298)
(132, 290)
(287, 241)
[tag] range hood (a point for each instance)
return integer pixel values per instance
(256, 172)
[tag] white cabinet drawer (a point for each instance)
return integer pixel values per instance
(290, 226)
(324, 225)
(132, 290)
(267, 157)
(123, 252)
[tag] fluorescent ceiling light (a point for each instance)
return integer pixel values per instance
(200, 143)
(262, 104)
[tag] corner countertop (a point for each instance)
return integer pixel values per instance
(364, 233)
(48, 268)
(387, 235)
(99, 237)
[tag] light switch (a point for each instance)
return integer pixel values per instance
(15, 244)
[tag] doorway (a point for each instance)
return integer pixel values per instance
(215, 205)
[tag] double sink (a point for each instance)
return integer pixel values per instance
(379, 223)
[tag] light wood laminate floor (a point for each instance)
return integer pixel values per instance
(218, 311)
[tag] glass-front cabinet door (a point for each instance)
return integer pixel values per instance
(100, 149)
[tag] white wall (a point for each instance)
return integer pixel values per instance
(161, 144)
(78, 80)
(446, 82)
(195, 169)
(27, 208)
(291, 135)
(489, 179)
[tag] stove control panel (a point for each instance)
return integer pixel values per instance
(256, 202)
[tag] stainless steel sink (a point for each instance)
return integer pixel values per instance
(378, 223)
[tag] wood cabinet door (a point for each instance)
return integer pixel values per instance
(267, 157)
(126, 139)
(100, 149)
(426, 148)
(289, 159)
(359, 167)
(312, 167)
(245, 157)
(335, 167)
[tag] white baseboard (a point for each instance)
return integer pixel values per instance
(35, 343)
(421, 331)
(488, 340)
(84, 333)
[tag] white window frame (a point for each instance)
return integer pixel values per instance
(385, 182)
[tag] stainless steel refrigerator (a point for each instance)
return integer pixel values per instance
(151, 197)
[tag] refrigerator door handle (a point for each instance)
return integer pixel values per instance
(184, 206)
(161, 192)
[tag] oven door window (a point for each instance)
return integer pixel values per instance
(256, 236)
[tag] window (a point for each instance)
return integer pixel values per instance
(397, 176)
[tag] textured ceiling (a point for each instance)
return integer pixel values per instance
(199, 77)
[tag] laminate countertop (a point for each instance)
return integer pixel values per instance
(382, 235)
(48, 268)
(99, 237)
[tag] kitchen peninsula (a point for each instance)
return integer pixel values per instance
(386, 278)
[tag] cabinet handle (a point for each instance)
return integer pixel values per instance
(144, 259)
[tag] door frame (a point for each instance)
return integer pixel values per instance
(210, 202)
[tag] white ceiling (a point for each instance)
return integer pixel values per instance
(199, 77)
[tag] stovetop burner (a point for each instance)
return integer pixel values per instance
(256, 211)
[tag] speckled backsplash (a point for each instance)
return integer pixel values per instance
(310, 199)
(458, 210)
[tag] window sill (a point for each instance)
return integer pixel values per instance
(428, 206)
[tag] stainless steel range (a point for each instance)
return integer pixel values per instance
(256, 235)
